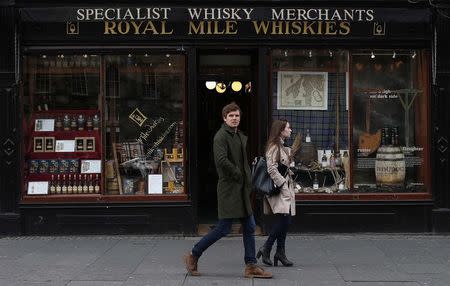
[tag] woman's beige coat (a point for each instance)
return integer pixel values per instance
(285, 201)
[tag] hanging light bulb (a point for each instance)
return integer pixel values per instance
(310, 54)
(236, 85)
(394, 55)
(210, 84)
(330, 53)
(221, 87)
(372, 55)
(414, 55)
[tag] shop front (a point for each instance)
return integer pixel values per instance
(118, 106)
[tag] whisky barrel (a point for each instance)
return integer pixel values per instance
(306, 154)
(390, 166)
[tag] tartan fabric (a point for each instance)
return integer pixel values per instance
(321, 123)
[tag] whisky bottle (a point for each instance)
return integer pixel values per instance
(91, 185)
(58, 185)
(97, 185)
(324, 160)
(69, 185)
(308, 136)
(80, 184)
(85, 185)
(332, 160)
(315, 182)
(338, 159)
(64, 185)
(52, 186)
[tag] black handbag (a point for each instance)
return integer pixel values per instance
(261, 180)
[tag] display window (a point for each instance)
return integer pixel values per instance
(390, 119)
(103, 127)
(359, 120)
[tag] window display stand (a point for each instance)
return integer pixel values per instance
(63, 157)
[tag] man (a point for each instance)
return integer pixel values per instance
(233, 194)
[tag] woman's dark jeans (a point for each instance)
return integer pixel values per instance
(223, 228)
(279, 231)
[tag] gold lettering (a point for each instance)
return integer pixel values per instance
(308, 27)
(216, 29)
(261, 26)
(109, 28)
(121, 25)
(345, 28)
(296, 28)
(330, 28)
(199, 29)
(136, 27)
(319, 27)
(277, 28)
(230, 27)
(163, 29)
(150, 27)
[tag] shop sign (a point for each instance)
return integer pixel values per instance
(197, 23)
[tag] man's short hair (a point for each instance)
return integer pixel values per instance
(229, 108)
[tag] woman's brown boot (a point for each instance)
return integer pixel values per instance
(280, 255)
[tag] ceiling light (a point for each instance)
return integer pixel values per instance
(221, 87)
(236, 85)
(310, 54)
(372, 55)
(330, 53)
(210, 84)
(394, 55)
(414, 55)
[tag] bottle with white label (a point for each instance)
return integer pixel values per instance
(324, 160)
(308, 136)
(341, 186)
(315, 182)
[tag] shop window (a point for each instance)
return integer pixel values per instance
(359, 120)
(144, 114)
(102, 127)
(390, 119)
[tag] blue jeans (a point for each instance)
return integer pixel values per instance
(223, 228)
(279, 232)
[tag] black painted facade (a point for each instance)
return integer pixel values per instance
(181, 217)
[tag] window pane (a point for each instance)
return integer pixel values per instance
(144, 117)
(389, 121)
(309, 90)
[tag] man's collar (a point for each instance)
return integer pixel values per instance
(229, 129)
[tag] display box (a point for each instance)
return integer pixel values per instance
(80, 144)
(38, 144)
(49, 144)
(89, 144)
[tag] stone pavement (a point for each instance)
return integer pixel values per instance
(334, 260)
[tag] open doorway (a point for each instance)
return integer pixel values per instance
(224, 76)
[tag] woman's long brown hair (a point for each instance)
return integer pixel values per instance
(275, 133)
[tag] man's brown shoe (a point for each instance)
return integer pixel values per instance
(190, 261)
(254, 271)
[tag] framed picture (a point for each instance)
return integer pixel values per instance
(49, 144)
(89, 144)
(38, 144)
(80, 145)
(302, 90)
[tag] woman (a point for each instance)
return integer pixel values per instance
(283, 204)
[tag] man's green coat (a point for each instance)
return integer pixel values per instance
(234, 185)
